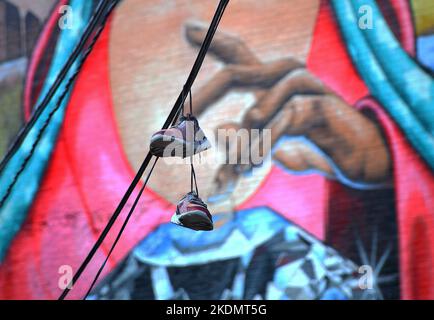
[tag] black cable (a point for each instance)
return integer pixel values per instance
(58, 104)
(193, 178)
(191, 104)
(174, 113)
(102, 6)
(121, 230)
(182, 107)
(193, 173)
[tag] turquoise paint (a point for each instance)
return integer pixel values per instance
(15, 209)
(404, 89)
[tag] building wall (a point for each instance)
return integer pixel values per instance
(348, 182)
(20, 26)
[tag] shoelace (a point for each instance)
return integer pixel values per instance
(191, 105)
(188, 117)
(193, 173)
(193, 179)
(194, 199)
(194, 190)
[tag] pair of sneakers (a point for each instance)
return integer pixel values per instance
(185, 139)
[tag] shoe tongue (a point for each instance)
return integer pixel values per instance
(181, 119)
(189, 117)
(192, 194)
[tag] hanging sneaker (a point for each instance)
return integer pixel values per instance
(182, 140)
(192, 212)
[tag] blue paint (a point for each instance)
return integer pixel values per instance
(15, 209)
(403, 88)
(425, 51)
(172, 245)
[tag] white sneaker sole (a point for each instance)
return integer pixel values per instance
(178, 147)
(196, 220)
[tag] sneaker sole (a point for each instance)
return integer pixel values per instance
(159, 144)
(195, 220)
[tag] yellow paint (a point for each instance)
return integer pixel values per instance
(423, 13)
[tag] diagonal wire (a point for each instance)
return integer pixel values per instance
(58, 104)
(102, 6)
(121, 230)
(174, 113)
(374, 245)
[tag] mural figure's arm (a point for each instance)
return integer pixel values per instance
(341, 142)
(243, 68)
(393, 77)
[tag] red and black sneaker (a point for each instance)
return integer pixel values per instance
(184, 139)
(192, 212)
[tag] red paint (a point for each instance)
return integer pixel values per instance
(89, 149)
(37, 56)
(414, 183)
(421, 262)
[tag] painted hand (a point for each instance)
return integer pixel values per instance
(332, 137)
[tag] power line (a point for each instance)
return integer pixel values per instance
(170, 119)
(121, 230)
(102, 6)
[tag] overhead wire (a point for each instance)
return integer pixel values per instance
(172, 117)
(102, 6)
(121, 230)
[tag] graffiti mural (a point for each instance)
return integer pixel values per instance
(341, 208)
